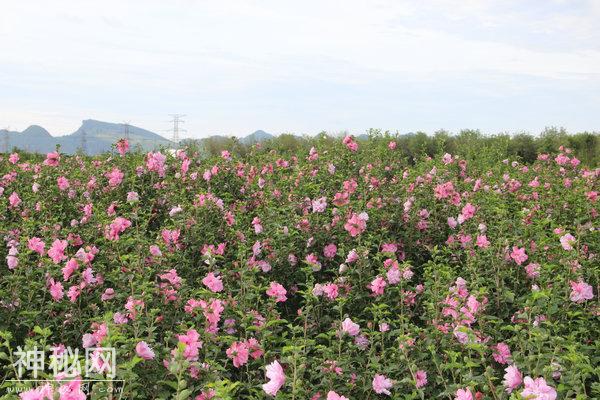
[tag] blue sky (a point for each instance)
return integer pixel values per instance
(303, 67)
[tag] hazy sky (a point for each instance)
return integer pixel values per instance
(301, 66)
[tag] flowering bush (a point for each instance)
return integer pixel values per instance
(339, 273)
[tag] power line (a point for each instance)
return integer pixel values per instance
(176, 129)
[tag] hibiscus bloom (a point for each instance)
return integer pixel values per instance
(144, 351)
(581, 291)
(276, 378)
(537, 389)
(381, 384)
(349, 327)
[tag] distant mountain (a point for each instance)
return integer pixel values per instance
(256, 137)
(99, 136)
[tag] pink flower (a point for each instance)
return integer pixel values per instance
(214, 283)
(502, 353)
(331, 290)
(276, 378)
(278, 291)
(257, 224)
(381, 384)
(330, 250)
(331, 395)
(238, 352)
(352, 256)
(57, 251)
(512, 379)
(144, 351)
(518, 255)
(567, 241)
(14, 200)
(115, 177)
(156, 162)
(377, 285)
(122, 146)
(537, 389)
(108, 294)
(117, 227)
(463, 394)
(56, 290)
(421, 378)
(319, 205)
(69, 268)
(36, 244)
(355, 225)
(52, 159)
(533, 270)
(350, 327)
(581, 291)
(468, 211)
(63, 183)
(192, 344)
(482, 241)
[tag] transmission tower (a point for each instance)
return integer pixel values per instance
(6, 140)
(126, 130)
(84, 141)
(176, 129)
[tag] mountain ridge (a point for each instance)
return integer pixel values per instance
(100, 136)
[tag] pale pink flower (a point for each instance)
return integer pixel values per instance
(212, 282)
(463, 394)
(331, 395)
(377, 285)
(14, 200)
(512, 379)
(533, 270)
(349, 327)
(144, 351)
(319, 205)
(567, 241)
(276, 378)
(421, 378)
(581, 291)
(537, 389)
(501, 353)
(36, 244)
(381, 384)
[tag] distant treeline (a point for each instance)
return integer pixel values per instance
(468, 143)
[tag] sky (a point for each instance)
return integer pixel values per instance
(301, 66)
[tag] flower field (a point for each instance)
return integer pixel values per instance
(336, 272)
